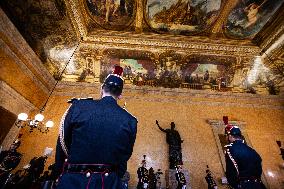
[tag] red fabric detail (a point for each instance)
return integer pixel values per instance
(225, 120)
(118, 70)
(228, 129)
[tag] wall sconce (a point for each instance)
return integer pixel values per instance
(37, 122)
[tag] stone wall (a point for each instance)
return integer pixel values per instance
(190, 110)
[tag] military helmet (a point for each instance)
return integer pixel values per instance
(115, 78)
(233, 130)
(228, 129)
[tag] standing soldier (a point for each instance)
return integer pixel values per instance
(143, 176)
(243, 164)
(9, 160)
(180, 178)
(96, 140)
(210, 180)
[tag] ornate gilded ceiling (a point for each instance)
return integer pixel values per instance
(197, 44)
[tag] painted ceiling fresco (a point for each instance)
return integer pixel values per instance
(111, 14)
(249, 17)
(181, 16)
(45, 26)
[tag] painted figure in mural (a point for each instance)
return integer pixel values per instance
(9, 160)
(143, 175)
(249, 17)
(89, 153)
(252, 14)
(108, 6)
(206, 76)
(243, 164)
(180, 178)
(174, 141)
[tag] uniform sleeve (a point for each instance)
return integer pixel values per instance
(231, 172)
(259, 165)
(133, 127)
(128, 149)
(64, 139)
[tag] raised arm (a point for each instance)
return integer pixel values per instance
(160, 127)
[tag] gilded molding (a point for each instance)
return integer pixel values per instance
(77, 18)
(181, 46)
(229, 5)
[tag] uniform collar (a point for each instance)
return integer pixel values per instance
(109, 99)
(238, 141)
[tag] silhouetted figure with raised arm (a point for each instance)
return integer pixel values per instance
(174, 141)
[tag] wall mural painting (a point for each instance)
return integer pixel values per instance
(181, 16)
(249, 17)
(112, 14)
(208, 72)
(171, 71)
(135, 71)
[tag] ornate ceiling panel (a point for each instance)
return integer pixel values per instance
(109, 14)
(249, 16)
(152, 39)
(181, 16)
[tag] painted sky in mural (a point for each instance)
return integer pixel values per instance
(249, 17)
(179, 16)
(112, 14)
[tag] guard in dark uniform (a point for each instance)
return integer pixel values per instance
(243, 164)
(96, 140)
(9, 160)
(210, 180)
(180, 178)
(143, 176)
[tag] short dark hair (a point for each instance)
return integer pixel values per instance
(240, 137)
(114, 90)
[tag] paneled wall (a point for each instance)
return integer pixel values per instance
(190, 110)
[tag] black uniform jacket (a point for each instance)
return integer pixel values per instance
(242, 162)
(96, 132)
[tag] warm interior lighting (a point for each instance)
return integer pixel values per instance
(23, 116)
(39, 117)
(49, 124)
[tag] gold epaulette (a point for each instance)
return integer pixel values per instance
(74, 99)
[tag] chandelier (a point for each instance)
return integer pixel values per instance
(23, 120)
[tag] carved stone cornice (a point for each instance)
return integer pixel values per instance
(76, 18)
(143, 43)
